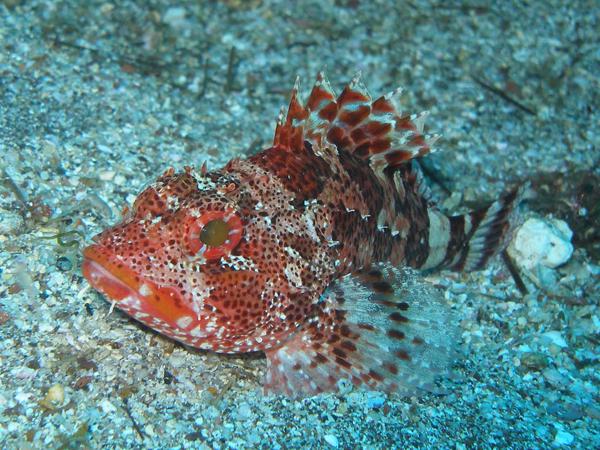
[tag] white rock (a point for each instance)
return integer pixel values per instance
(107, 407)
(541, 242)
(375, 399)
(175, 17)
(107, 175)
(10, 222)
(563, 438)
(244, 412)
(556, 338)
(331, 440)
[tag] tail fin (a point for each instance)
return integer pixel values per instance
(467, 242)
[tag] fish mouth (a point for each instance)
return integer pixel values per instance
(113, 280)
(132, 293)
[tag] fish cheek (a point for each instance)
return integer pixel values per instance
(237, 299)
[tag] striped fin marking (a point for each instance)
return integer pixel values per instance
(373, 130)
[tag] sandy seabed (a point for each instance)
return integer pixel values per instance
(98, 98)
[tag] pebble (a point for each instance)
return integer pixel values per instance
(563, 438)
(375, 399)
(593, 412)
(567, 411)
(175, 17)
(555, 338)
(331, 440)
(11, 222)
(541, 242)
(534, 361)
(244, 412)
(107, 407)
(120, 180)
(106, 175)
(54, 397)
(64, 264)
(555, 378)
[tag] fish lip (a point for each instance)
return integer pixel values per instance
(103, 275)
(130, 292)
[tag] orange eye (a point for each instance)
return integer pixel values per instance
(214, 234)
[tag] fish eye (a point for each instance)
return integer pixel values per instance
(214, 234)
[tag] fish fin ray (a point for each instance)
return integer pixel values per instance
(377, 131)
(390, 332)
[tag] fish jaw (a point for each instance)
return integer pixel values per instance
(160, 307)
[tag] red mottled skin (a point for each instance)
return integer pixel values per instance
(335, 193)
(296, 239)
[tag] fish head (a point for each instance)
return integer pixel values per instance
(172, 262)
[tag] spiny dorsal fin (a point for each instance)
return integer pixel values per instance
(290, 134)
(373, 130)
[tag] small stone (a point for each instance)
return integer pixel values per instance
(541, 242)
(342, 409)
(107, 407)
(555, 378)
(567, 411)
(375, 400)
(54, 398)
(175, 17)
(149, 430)
(593, 412)
(331, 440)
(563, 438)
(542, 431)
(56, 394)
(120, 180)
(106, 175)
(555, 338)
(244, 412)
(534, 361)
(64, 264)
(10, 222)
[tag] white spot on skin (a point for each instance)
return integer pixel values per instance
(184, 321)
(310, 225)
(145, 290)
(292, 270)
(198, 295)
(172, 202)
(291, 273)
(132, 302)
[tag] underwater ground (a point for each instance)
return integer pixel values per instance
(97, 98)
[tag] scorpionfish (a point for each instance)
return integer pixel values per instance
(303, 251)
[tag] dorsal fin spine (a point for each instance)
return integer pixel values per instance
(376, 131)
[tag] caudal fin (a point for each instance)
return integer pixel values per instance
(467, 242)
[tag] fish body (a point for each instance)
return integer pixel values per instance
(298, 251)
